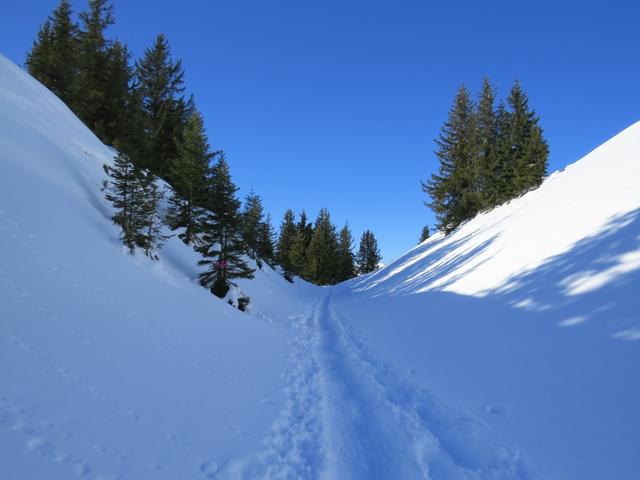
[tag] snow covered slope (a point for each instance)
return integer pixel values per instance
(508, 350)
(528, 316)
(114, 366)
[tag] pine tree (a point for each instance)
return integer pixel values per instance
(189, 173)
(53, 57)
(322, 254)
(453, 195)
(424, 234)
(298, 254)
(94, 73)
(159, 82)
(265, 245)
(222, 248)
(149, 235)
(346, 265)
(126, 194)
(368, 257)
(285, 243)
(528, 149)
(252, 219)
(486, 144)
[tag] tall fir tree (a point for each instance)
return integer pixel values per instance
(252, 219)
(528, 149)
(94, 68)
(222, 248)
(189, 173)
(135, 198)
(346, 260)
(368, 257)
(285, 243)
(298, 254)
(424, 234)
(453, 198)
(53, 56)
(486, 144)
(265, 244)
(322, 254)
(159, 81)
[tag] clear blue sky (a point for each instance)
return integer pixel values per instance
(336, 103)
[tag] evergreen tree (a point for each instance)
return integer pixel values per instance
(53, 56)
(285, 243)
(222, 248)
(189, 173)
(368, 257)
(322, 254)
(305, 228)
(149, 235)
(252, 220)
(346, 261)
(298, 254)
(94, 69)
(159, 84)
(424, 235)
(265, 245)
(486, 144)
(528, 148)
(453, 195)
(123, 191)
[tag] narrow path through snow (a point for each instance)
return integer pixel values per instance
(351, 415)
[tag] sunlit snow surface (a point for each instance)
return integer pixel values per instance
(507, 350)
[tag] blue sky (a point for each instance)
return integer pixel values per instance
(336, 103)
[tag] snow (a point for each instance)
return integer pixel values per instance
(506, 350)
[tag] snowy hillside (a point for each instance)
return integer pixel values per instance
(506, 351)
(528, 316)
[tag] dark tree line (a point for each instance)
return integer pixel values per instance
(488, 155)
(140, 108)
(321, 254)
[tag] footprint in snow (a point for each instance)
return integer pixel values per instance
(209, 468)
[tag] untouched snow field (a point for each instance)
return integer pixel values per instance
(507, 350)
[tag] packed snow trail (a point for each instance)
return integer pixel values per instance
(351, 415)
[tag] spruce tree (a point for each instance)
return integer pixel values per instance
(322, 254)
(189, 173)
(149, 235)
(528, 149)
(368, 257)
(346, 260)
(222, 248)
(453, 195)
(285, 243)
(53, 56)
(265, 244)
(159, 85)
(252, 219)
(94, 73)
(126, 193)
(486, 144)
(298, 254)
(424, 234)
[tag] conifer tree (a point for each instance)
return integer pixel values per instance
(486, 144)
(53, 56)
(189, 173)
(252, 219)
(265, 246)
(149, 235)
(298, 254)
(94, 74)
(368, 257)
(285, 243)
(159, 81)
(424, 234)
(346, 265)
(322, 254)
(529, 150)
(222, 248)
(453, 198)
(124, 193)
